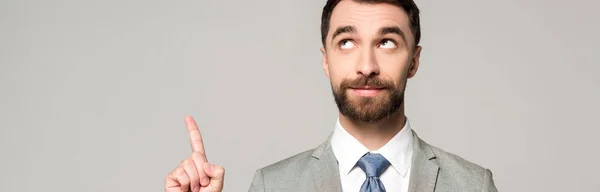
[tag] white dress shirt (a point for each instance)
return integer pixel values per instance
(398, 151)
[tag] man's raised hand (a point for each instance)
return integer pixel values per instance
(195, 174)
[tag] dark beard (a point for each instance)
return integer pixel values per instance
(369, 109)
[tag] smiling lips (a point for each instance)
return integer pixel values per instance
(366, 91)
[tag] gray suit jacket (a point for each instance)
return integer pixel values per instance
(433, 170)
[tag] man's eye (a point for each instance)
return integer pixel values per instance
(387, 44)
(346, 44)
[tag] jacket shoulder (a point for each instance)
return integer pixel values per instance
(452, 161)
(460, 174)
(288, 165)
(282, 175)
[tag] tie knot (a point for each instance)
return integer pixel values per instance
(373, 164)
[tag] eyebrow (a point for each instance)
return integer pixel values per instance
(392, 30)
(343, 29)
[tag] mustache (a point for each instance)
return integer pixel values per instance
(364, 81)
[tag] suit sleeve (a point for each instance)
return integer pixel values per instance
(488, 182)
(258, 184)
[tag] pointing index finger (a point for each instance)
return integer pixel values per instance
(195, 137)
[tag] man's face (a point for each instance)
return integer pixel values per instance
(369, 54)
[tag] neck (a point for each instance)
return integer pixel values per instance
(374, 135)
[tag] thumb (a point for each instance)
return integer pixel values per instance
(216, 174)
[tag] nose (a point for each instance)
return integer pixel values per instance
(367, 64)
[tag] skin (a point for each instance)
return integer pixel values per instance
(195, 173)
(363, 51)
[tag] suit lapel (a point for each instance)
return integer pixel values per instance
(424, 171)
(324, 169)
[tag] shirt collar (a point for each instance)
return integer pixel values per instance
(348, 150)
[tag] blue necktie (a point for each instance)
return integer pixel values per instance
(373, 164)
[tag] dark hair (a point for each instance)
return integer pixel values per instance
(409, 7)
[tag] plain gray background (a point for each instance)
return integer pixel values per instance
(93, 93)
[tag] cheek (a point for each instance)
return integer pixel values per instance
(341, 67)
(336, 80)
(394, 67)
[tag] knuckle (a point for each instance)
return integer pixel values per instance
(198, 154)
(202, 176)
(197, 139)
(180, 172)
(185, 162)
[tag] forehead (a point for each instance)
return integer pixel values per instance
(369, 17)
